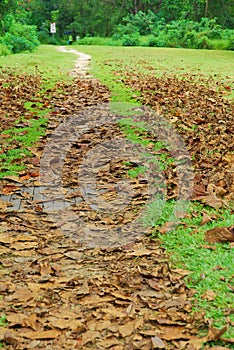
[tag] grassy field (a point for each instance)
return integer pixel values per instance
(51, 66)
(158, 61)
(46, 61)
(185, 246)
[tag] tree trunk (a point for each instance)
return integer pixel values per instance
(206, 8)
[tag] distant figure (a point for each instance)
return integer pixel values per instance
(77, 38)
(70, 39)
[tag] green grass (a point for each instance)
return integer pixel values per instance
(53, 66)
(157, 61)
(209, 269)
(22, 138)
(46, 60)
(3, 323)
(186, 248)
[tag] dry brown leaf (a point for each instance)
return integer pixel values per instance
(108, 343)
(157, 343)
(9, 189)
(141, 252)
(24, 245)
(166, 228)
(127, 329)
(172, 333)
(9, 336)
(209, 295)
(216, 334)
(4, 206)
(213, 201)
(220, 234)
(205, 219)
(73, 254)
(6, 238)
(84, 289)
(15, 318)
(22, 294)
(31, 322)
(89, 336)
(74, 325)
(50, 334)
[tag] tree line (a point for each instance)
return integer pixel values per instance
(104, 17)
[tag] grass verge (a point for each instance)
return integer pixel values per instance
(51, 66)
(211, 266)
(46, 60)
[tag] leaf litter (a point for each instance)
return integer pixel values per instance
(57, 294)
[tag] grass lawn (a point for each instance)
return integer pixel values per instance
(160, 61)
(46, 60)
(51, 66)
(211, 269)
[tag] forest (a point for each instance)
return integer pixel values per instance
(174, 23)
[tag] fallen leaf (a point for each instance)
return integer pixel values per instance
(205, 219)
(140, 252)
(84, 289)
(9, 189)
(74, 325)
(89, 336)
(127, 328)
(50, 334)
(169, 226)
(215, 333)
(172, 333)
(22, 294)
(220, 235)
(209, 295)
(9, 336)
(157, 343)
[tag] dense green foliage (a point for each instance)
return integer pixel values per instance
(178, 33)
(176, 23)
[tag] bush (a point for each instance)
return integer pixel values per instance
(206, 34)
(131, 39)
(230, 45)
(21, 37)
(47, 39)
(99, 41)
(4, 51)
(43, 37)
(204, 43)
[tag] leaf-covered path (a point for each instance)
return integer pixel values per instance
(59, 294)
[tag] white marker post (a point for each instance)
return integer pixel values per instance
(53, 28)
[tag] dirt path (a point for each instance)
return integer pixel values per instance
(81, 64)
(58, 293)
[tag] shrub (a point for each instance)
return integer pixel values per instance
(43, 37)
(155, 41)
(131, 39)
(206, 34)
(204, 43)
(21, 37)
(230, 45)
(4, 50)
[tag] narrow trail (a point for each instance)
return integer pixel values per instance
(81, 64)
(59, 294)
